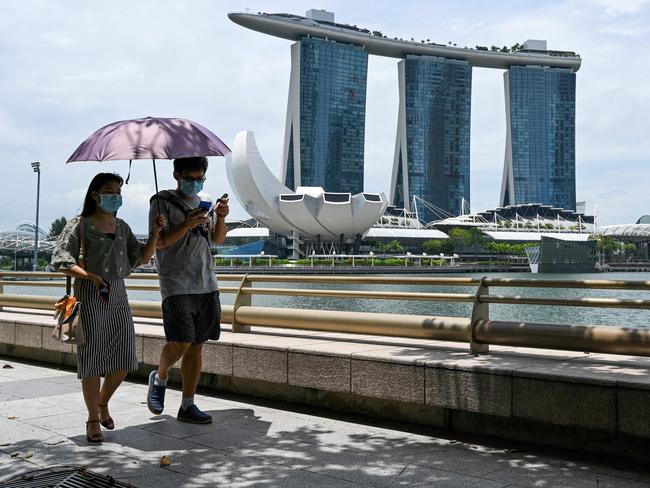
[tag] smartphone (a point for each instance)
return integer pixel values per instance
(205, 205)
(104, 292)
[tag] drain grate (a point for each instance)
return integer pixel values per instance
(65, 477)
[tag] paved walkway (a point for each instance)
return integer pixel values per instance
(251, 444)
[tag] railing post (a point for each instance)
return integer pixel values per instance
(241, 299)
(2, 290)
(480, 311)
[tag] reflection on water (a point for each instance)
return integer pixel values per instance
(528, 313)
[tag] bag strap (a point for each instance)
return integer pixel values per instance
(168, 196)
(81, 260)
(82, 244)
(173, 199)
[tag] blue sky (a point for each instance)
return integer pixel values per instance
(70, 67)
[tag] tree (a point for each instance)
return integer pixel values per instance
(57, 227)
(629, 249)
(392, 246)
(605, 245)
(433, 246)
(461, 239)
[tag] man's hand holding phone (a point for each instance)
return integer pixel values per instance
(195, 217)
(221, 208)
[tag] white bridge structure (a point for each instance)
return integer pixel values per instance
(21, 240)
(629, 232)
(312, 212)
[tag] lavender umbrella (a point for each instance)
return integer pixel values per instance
(149, 138)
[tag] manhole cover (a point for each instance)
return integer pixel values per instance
(68, 477)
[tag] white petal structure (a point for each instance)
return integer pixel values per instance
(311, 211)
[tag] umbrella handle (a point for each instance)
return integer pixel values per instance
(155, 179)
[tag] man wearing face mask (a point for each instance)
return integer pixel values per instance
(188, 284)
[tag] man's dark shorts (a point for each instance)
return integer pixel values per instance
(192, 318)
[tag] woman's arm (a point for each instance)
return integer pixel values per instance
(151, 244)
(78, 272)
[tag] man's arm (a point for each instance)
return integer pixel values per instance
(220, 230)
(171, 236)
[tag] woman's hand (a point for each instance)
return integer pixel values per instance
(159, 224)
(97, 280)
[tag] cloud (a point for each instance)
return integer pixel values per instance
(69, 67)
(616, 8)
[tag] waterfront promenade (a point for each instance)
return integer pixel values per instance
(257, 443)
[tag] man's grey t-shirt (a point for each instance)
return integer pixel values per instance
(186, 267)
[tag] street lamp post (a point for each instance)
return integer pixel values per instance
(36, 166)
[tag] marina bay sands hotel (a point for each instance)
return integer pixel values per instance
(325, 127)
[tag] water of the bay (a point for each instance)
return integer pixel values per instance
(527, 313)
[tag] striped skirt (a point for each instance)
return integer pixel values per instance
(109, 331)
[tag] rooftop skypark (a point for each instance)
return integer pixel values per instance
(320, 24)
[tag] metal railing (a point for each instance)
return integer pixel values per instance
(478, 329)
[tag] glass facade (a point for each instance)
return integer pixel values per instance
(289, 177)
(398, 201)
(541, 119)
(437, 99)
(332, 115)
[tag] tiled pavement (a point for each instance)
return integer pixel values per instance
(251, 444)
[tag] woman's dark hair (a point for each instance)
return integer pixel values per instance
(90, 206)
(191, 164)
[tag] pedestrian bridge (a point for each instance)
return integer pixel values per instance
(639, 232)
(21, 240)
(584, 388)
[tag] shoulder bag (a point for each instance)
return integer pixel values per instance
(67, 310)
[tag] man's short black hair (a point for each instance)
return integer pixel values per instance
(191, 164)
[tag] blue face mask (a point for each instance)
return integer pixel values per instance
(191, 187)
(110, 202)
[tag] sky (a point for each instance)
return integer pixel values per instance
(68, 68)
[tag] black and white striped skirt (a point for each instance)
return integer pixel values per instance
(109, 330)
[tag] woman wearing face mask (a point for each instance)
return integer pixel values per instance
(111, 252)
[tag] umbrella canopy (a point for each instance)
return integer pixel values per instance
(149, 138)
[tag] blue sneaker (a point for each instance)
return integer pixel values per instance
(155, 395)
(193, 415)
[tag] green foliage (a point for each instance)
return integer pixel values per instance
(6, 263)
(57, 227)
(629, 248)
(433, 246)
(508, 249)
(390, 247)
(461, 239)
(606, 244)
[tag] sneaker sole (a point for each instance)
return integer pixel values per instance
(190, 421)
(150, 382)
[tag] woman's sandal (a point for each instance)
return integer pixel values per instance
(107, 422)
(95, 438)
